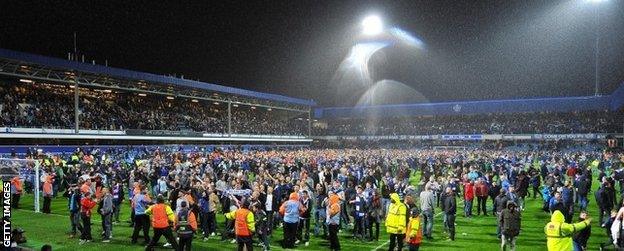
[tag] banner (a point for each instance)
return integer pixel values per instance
(568, 136)
(163, 133)
(463, 137)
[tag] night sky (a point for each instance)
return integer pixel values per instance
(473, 49)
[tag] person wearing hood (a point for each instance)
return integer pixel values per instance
(396, 221)
(333, 220)
(559, 233)
(509, 221)
(290, 211)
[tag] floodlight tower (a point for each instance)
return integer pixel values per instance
(596, 45)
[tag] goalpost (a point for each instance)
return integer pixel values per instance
(26, 169)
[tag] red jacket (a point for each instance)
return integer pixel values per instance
(87, 204)
(481, 190)
(468, 191)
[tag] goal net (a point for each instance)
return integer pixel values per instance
(28, 172)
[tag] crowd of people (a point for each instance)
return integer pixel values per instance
(315, 193)
(52, 106)
(518, 123)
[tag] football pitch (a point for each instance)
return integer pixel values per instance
(476, 233)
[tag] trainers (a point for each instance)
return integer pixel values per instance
(106, 241)
(212, 234)
(81, 242)
(233, 241)
(307, 243)
(167, 245)
(205, 238)
(297, 242)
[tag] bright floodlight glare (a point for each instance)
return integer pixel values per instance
(372, 25)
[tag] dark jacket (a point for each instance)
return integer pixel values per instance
(583, 187)
(494, 190)
(450, 205)
(582, 236)
(509, 221)
(500, 202)
(522, 185)
(261, 222)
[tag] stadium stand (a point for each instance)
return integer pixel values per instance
(547, 122)
(39, 92)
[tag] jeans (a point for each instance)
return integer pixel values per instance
(270, 221)
(385, 203)
(141, 221)
(264, 239)
(203, 218)
(396, 240)
(116, 209)
(481, 201)
(358, 228)
(498, 226)
(508, 242)
(450, 222)
(243, 242)
(46, 204)
(290, 229)
(334, 242)
(185, 243)
(427, 223)
(319, 222)
(162, 232)
(86, 230)
(582, 202)
(74, 217)
(108, 225)
(467, 208)
(15, 200)
(373, 221)
(303, 230)
(413, 247)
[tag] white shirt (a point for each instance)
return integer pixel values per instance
(269, 202)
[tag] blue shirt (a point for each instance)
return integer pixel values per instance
(140, 204)
(291, 211)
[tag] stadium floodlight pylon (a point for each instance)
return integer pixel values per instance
(10, 168)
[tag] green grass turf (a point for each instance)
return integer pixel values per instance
(477, 233)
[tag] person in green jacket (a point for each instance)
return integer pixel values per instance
(559, 233)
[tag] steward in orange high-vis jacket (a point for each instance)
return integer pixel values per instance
(162, 215)
(244, 225)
